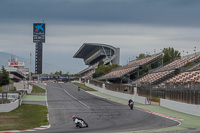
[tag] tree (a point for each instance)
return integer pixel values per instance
(100, 63)
(4, 77)
(141, 56)
(170, 54)
(58, 73)
(103, 69)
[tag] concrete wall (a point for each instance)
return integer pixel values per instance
(181, 107)
(23, 86)
(9, 107)
(19, 85)
(136, 98)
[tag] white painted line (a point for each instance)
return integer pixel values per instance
(76, 99)
(46, 98)
(47, 105)
(72, 96)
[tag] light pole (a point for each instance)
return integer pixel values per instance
(150, 92)
(195, 50)
(129, 78)
(133, 57)
(30, 68)
(162, 56)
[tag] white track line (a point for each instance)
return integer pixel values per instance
(72, 96)
(76, 99)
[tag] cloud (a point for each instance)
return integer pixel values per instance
(132, 39)
(135, 26)
(154, 12)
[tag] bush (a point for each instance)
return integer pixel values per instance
(189, 64)
(37, 89)
(155, 99)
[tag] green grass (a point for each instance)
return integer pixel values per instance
(24, 117)
(37, 89)
(82, 86)
(34, 98)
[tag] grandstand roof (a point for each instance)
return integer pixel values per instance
(88, 47)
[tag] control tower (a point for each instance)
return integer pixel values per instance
(38, 38)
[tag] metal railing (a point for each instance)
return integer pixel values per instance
(190, 55)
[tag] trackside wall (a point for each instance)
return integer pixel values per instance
(9, 107)
(136, 98)
(181, 107)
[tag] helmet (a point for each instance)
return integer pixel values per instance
(73, 117)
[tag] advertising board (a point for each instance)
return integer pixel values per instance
(39, 29)
(37, 39)
(16, 64)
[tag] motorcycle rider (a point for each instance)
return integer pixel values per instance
(79, 88)
(79, 121)
(130, 103)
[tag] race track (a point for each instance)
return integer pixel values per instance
(102, 115)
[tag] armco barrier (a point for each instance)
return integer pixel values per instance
(9, 107)
(136, 98)
(181, 107)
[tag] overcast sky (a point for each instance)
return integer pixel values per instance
(135, 26)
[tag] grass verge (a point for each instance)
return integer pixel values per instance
(82, 86)
(24, 117)
(37, 89)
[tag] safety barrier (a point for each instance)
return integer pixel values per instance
(181, 107)
(9, 107)
(12, 101)
(136, 98)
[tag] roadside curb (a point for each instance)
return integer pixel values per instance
(152, 112)
(28, 130)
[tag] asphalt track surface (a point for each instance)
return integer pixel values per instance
(102, 115)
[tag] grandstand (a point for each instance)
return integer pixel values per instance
(178, 79)
(185, 77)
(170, 73)
(17, 70)
(195, 67)
(179, 63)
(131, 70)
(93, 53)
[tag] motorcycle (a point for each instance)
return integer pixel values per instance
(131, 105)
(80, 122)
